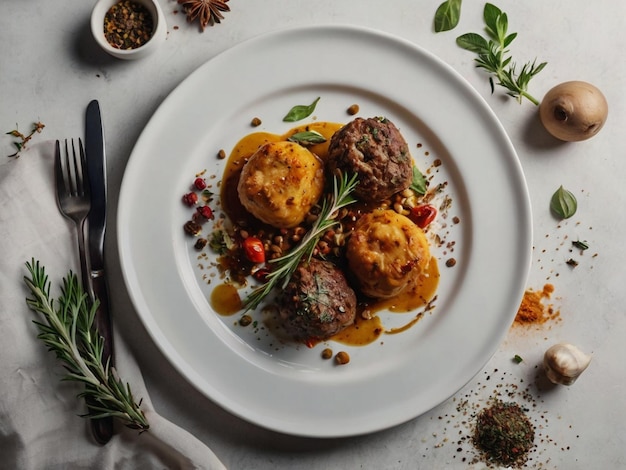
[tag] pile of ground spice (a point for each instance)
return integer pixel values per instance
(504, 434)
(532, 310)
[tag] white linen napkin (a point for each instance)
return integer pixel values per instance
(40, 426)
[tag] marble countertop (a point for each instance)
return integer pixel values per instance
(50, 68)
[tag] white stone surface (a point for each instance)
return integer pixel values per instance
(50, 68)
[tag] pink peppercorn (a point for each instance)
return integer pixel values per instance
(199, 183)
(190, 199)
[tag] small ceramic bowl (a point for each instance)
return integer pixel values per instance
(159, 29)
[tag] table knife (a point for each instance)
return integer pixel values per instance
(96, 170)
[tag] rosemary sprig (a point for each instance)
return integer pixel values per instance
(69, 331)
(285, 266)
(492, 55)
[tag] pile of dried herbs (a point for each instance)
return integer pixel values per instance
(504, 434)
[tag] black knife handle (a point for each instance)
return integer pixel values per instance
(102, 428)
(103, 319)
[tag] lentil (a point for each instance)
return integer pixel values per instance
(352, 110)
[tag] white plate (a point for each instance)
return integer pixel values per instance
(288, 388)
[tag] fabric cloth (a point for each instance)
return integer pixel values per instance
(40, 423)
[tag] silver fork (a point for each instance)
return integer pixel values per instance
(74, 202)
(73, 195)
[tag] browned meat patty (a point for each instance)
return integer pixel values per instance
(375, 150)
(317, 302)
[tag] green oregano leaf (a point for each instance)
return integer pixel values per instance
(307, 138)
(491, 14)
(300, 111)
(563, 203)
(473, 42)
(447, 15)
(418, 183)
(493, 55)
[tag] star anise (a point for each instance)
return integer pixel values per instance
(208, 12)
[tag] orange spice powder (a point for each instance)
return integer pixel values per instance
(532, 310)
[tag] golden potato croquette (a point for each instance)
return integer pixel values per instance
(386, 253)
(280, 183)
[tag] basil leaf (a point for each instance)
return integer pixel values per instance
(300, 112)
(447, 15)
(563, 203)
(419, 183)
(473, 42)
(307, 138)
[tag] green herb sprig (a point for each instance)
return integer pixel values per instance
(492, 55)
(447, 15)
(419, 184)
(68, 330)
(563, 203)
(286, 265)
(301, 111)
(24, 139)
(306, 138)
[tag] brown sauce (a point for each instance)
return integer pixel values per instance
(225, 299)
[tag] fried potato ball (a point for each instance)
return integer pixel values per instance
(280, 183)
(386, 253)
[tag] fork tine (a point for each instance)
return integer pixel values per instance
(58, 169)
(82, 182)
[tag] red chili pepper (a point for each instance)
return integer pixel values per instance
(199, 183)
(253, 248)
(190, 199)
(423, 215)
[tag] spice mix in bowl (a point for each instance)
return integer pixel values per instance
(128, 29)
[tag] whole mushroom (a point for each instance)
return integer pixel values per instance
(564, 362)
(573, 111)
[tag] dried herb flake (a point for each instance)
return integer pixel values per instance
(504, 433)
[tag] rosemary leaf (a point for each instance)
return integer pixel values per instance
(68, 330)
